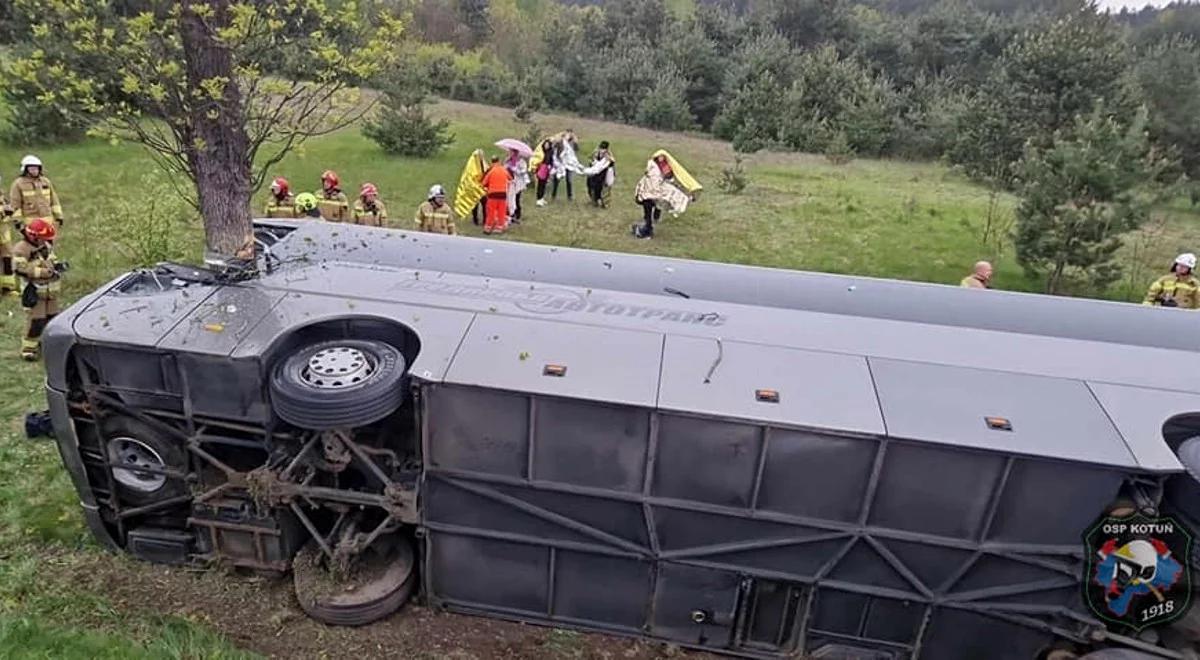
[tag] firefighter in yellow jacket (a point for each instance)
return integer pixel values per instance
(1180, 288)
(280, 204)
(368, 208)
(32, 195)
(34, 261)
(434, 215)
(331, 200)
(8, 278)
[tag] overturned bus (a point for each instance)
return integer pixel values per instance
(751, 461)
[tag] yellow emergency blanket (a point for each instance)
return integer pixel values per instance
(470, 185)
(682, 176)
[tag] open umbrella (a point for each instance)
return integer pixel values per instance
(516, 145)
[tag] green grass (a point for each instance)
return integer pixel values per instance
(915, 221)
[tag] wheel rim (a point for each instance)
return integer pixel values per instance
(337, 368)
(130, 458)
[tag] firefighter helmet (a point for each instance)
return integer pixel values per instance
(436, 191)
(329, 179)
(40, 229)
(30, 161)
(368, 189)
(280, 186)
(306, 202)
(1186, 259)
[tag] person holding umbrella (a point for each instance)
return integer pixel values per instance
(517, 165)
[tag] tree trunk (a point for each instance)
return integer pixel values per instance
(219, 156)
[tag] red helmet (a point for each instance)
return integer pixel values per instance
(40, 229)
(329, 178)
(368, 189)
(280, 186)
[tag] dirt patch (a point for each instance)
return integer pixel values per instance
(261, 615)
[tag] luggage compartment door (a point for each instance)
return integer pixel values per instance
(695, 605)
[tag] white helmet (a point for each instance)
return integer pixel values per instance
(30, 160)
(1186, 259)
(436, 191)
(1137, 561)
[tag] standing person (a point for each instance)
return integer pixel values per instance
(518, 170)
(543, 170)
(567, 162)
(495, 183)
(1179, 288)
(468, 198)
(434, 216)
(980, 277)
(8, 277)
(280, 204)
(601, 175)
(32, 195)
(368, 208)
(331, 201)
(34, 261)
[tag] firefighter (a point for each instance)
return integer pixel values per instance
(8, 278)
(1179, 288)
(280, 204)
(32, 195)
(980, 277)
(368, 208)
(331, 200)
(434, 216)
(306, 206)
(33, 259)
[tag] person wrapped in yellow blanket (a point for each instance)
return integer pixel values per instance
(470, 190)
(664, 183)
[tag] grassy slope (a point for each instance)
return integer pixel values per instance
(882, 218)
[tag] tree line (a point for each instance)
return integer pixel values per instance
(1014, 92)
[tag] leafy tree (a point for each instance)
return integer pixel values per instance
(834, 95)
(1169, 76)
(665, 107)
(1094, 183)
(699, 62)
(807, 23)
(473, 14)
(193, 85)
(402, 126)
(1041, 83)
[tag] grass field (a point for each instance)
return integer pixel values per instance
(60, 596)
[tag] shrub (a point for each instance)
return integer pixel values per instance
(733, 178)
(834, 94)
(838, 150)
(151, 222)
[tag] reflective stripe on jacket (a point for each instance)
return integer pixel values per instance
(436, 220)
(1185, 292)
(333, 207)
(36, 265)
(34, 198)
(376, 216)
(281, 208)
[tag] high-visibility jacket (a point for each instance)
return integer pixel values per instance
(35, 265)
(1184, 291)
(333, 205)
(495, 182)
(34, 198)
(972, 282)
(373, 216)
(435, 219)
(281, 208)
